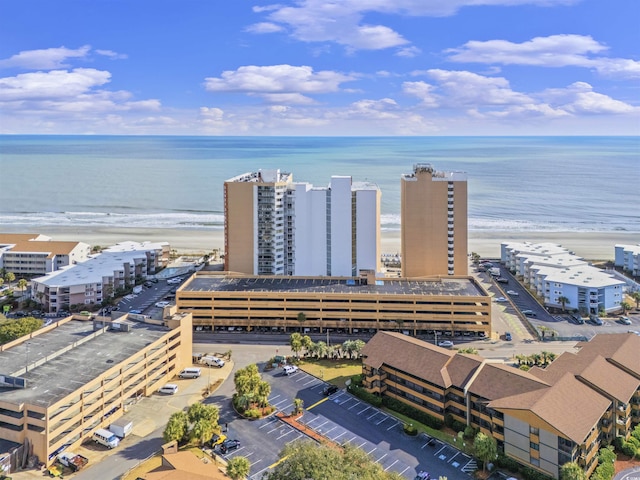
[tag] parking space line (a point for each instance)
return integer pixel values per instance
(451, 460)
(290, 441)
(318, 426)
(257, 461)
(391, 465)
(378, 460)
(373, 449)
(383, 420)
(268, 423)
(273, 429)
(354, 405)
(424, 445)
(443, 447)
(351, 439)
(393, 426)
(370, 417)
(338, 436)
(285, 434)
(326, 434)
(286, 406)
(405, 469)
(360, 446)
(310, 381)
(348, 399)
(281, 401)
(362, 411)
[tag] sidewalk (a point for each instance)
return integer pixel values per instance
(147, 415)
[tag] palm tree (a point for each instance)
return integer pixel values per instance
(636, 298)
(301, 318)
(9, 277)
(625, 307)
(264, 390)
(563, 301)
(238, 468)
(521, 358)
(22, 284)
(298, 404)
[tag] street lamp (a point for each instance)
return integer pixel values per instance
(26, 368)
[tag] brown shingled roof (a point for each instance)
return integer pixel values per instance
(410, 355)
(498, 380)
(557, 406)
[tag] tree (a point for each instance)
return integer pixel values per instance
(305, 460)
(469, 350)
(177, 427)
(485, 448)
(306, 344)
(475, 258)
(12, 329)
(295, 341)
(298, 405)
(572, 471)
(250, 388)
(238, 468)
(1, 281)
(625, 306)
(564, 301)
(203, 420)
(9, 277)
(301, 319)
(636, 298)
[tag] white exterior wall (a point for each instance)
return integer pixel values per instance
(367, 230)
(341, 227)
(310, 231)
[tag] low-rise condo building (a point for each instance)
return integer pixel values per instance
(543, 418)
(562, 279)
(34, 254)
(91, 282)
(64, 381)
(417, 306)
(627, 257)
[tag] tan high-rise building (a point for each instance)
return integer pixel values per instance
(433, 222)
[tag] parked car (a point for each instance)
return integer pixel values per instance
(423, 476)
(625, 320)
(229, 445)
(135, 310)
(529, 313)
(290, 369)
(169, 389)
(148, 284)
(513, 293)
(501, 299)
(330, 389)
(502, 280)
(507, 336)
(446, 344)
(217, 439)
(577, 318)
(161, 304)
(597, 320)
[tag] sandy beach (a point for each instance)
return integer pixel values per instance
(590, 245)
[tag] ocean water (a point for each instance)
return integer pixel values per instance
(581, 184)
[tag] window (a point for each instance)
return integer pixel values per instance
(534, 446)
(534, 430)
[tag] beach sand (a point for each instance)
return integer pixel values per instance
(589, 245)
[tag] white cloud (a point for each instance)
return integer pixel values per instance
(111, 54)
(57, 84)
(278, 82)
(45, 59)
(264, 27)
(342, 21)
(409, 52)
(481, 96)
(551, 51)
(579, 98)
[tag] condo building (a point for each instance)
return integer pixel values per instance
(433, 222)
(34, 254)
(543, 418)
(627, 257)
(98, 278)
(562, 279)
(274, 226)
(66, 380)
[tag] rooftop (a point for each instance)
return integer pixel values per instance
(69, 356)
(211, 282)
(36, 243)
(536, 248)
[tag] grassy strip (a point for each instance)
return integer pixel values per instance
(334, 371)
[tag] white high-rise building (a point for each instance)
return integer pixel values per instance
(277, 227)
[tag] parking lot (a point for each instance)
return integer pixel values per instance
(144, 302)
(342, 418)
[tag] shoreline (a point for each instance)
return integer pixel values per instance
(589, 245)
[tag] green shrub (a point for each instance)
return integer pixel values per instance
(530, 474)
(618, 442)
(636, 432)
(458, 426)
(366, 396)
(357, 380)
(470, 432)
(412, 412)
(253, 413)
(629, 449)
(507, 463)
(635, 441)
(410, 429)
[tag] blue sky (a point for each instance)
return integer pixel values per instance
(320, 67)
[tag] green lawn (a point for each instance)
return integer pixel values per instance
(333, 371)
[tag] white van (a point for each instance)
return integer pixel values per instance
(191, 372)
(106, 438)
(212, 361)
(169, 389)
(290, 369)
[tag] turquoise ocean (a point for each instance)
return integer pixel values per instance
(581, 184)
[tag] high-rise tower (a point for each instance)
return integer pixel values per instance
(274, 226)
(433, 222)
